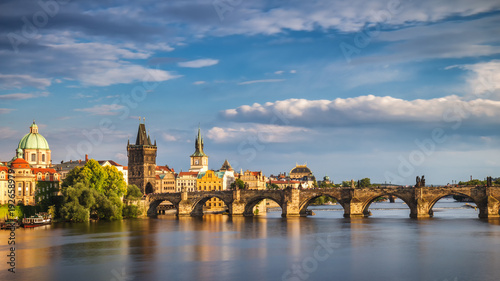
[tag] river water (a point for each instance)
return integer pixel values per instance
(454, 245)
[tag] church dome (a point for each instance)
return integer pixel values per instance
(33, 140)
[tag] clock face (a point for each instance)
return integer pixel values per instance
(196, 161)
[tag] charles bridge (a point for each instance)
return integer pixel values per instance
(355, 201)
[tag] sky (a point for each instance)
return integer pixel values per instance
(385, 89)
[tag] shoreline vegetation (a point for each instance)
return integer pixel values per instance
(93, 192)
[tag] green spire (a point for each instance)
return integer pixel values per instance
(198, 145)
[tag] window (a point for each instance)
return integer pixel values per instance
(33, 157)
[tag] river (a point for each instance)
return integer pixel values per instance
(454, 245)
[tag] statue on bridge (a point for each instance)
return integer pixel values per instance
(489, 181)
(420, 182)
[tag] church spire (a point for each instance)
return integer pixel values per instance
(198, 145)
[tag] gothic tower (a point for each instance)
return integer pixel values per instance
(142, 161)
(199, 160)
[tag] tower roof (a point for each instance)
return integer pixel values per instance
(226, 166)
(142, 136)
(198, 145)
(33, 140)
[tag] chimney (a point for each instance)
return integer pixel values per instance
(70, 161)
(80, 161)
(86, 157)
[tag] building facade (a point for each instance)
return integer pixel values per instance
(165, 180)
(142, 161)
(211, 180)
(186, 181)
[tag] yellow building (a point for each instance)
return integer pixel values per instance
(210, 180)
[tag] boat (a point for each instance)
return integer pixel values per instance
(37, 220)
(9, 224)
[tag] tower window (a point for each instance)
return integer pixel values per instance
(33, 157)
(43, 157)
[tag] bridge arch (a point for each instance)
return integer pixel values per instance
(252, 202)
(198, 204)
(478, 203)
(367, 203)
(154, 203)
(305, 203)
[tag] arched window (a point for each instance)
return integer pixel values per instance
(33, 157)
(43, 157)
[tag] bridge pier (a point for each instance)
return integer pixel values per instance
(185, 207)
(355, 209)
(237, 207)
(291, 203)
(492, 210)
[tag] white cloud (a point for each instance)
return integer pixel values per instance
(293, 71)
(198, 63)
(279, 72)
(261, 81)
(199, 83)
(103, 109)
(6, 110)
(344, 16)
(365, 110)
(159, 47)
(23, 96)
(168, 137)
(20, 81)
(265, 133)
(484, 80)
(125, 74)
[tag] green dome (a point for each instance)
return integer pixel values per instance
(33, 140)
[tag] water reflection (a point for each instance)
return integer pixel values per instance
(386, 246)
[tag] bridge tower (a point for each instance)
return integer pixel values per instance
(142, 161)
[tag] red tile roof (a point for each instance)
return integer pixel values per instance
(188, 174)
(20, 163)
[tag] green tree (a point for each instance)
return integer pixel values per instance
(346, 184)
(272, 186)
(365, 182)
(133, 192)
(131, 211)
(239, 184)
(114, 181)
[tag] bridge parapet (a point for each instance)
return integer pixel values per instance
(355, 201)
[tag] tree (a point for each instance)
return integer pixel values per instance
(472, 182)
(346, 184)
(365, 182)
(133, 192)
(131, 211)
(239, 184)
(114, 181)
(272, 186)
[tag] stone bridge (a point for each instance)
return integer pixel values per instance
(355, 201)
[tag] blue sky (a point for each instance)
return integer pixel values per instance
(382, 89)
